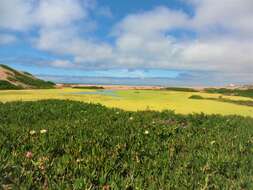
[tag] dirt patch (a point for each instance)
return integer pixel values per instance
(3, 74)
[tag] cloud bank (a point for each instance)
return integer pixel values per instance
(216, 37)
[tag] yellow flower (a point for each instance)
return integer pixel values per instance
(146, 132)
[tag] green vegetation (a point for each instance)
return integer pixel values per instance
(197, 97)
(58, 144)
(239, 102)
(34, 82)
(233, 92)
(26, 79)
(221, 99)
(27, 73)
(180, 89)
(5, 85)
(89, 87)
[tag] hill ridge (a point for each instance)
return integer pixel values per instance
(14, 79)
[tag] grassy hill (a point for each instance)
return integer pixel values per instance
(11, 79)
(58, 144)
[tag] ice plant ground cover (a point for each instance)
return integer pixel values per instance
(60, 144)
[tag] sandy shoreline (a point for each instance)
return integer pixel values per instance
(142, 87)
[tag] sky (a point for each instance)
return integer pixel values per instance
(161, 42)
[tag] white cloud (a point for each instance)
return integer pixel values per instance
(231, 15)
(57, 13)
(223, 42)
(16, 14)
(24, 14)
(61, 63)
(7, 39)
(66, 41)
(161, 19)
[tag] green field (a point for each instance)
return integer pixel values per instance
(58, 144)
(133, 100)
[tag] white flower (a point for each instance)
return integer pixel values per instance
(146, 132)
(32, 132)
(43, 131)
(131, 118)
(212, 142)
(79, 160)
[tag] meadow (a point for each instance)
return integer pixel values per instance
(133, 100)
(62, 144)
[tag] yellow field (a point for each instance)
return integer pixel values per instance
(137, 100)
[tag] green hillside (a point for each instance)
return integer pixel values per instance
(13, 79)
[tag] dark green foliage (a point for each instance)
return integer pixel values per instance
(90, 147)
(198, 97)
(5, 85)
(180, 89)
(34, 82)
(221, 99)
(234, 92)
(239, 102)
(88, 87)
(28, 79)
(27, 73)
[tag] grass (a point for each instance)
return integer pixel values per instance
(86, 146)
(233, 92)
(133, 100)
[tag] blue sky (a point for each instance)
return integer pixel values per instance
(130, 39)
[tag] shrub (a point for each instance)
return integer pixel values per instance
(197, 97)
(181, 89)
(231, 92)
(88, 87)
(5, 85)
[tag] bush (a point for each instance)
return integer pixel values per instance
(197, 97)
(181, 89)
(231, 92)
(33, 82)
(5, 85)
(88, 87)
